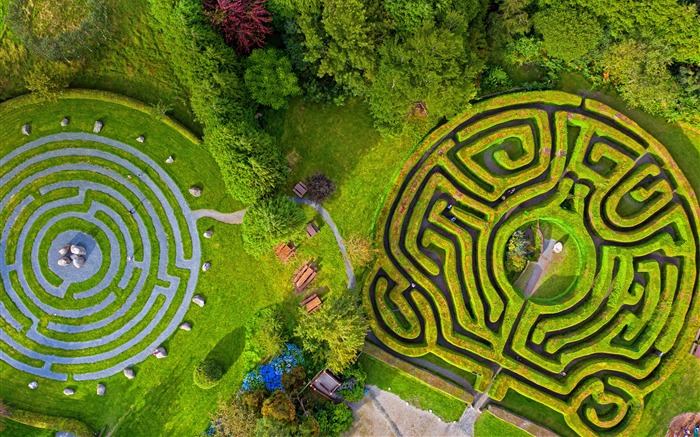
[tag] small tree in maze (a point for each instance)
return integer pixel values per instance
(208, 373)
(319, 187)
(361, 250)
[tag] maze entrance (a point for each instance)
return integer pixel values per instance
(613, 321)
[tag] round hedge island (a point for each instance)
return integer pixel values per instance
(588, 330)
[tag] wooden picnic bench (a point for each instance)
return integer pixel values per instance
(299, 189)
(285, 251)
(311, 229)
(303, 277)
(312, 303)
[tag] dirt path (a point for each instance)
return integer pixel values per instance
(232, 218)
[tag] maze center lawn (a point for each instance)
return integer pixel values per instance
(162, 399)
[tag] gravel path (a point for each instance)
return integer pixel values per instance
(231, 218)
(383, 414)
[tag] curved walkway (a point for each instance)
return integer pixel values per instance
(231, 218)
(341, 243)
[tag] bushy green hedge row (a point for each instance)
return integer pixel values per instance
(44, 421)
(620, 320)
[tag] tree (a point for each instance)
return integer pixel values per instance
(334, 419)
(268, 222)
(354, 383)
(294, 380)
(244, 23)
(334, 334)
(641, 73)
(569, 33)
(46, 79)
(361, 250)
(234, 419)
(252, 166)
(208, 373)
(269, 78)
(319, 187)
(264, 338)
(279, 407)
(509, 22)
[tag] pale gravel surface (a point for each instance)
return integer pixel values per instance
(383, 414)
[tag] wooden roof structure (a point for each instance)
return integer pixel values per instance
(299, 189)
(695, 350)
(303, 276)
(312, 303)
(284, 251)
(326, 383)
(311, 229)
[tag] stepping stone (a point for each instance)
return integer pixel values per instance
(33, 385)
(195, 191)
(65, 121)
(141, 139)
(170, 160)
(160, 352)
(97, 127)
(26, 129)
(198, 300)
(68, 392)
(186, 326)
(101, 389)
(208, 233)
(129, 373)
(206, 266)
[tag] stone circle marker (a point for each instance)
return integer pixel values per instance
(186, 326)
(27, 129)
(198, 300)
(65, 121)
(97, 127)
(68, 290)
(195, 191)
(101, 389)
(68, 391)
(33, 385)
(140, 138)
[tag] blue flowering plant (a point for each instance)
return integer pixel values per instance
(269, 376)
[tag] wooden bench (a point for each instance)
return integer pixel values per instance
(303, 277)
(285, 251)
(299, 189)
(312, 303)
(311, 229)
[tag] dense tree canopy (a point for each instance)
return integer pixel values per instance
(569, 33)
(269, 78)
(269, 222)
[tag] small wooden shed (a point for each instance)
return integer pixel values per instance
(326, 384)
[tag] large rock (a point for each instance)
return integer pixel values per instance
(195, 191)
(140, 138)
(208, 233)
(64, 250)
(78, 261)
(160, 352)
(64, 261)
(129, 373)
(198, 300)
(101, 389)
(186, 326)
(558, 247)
(98, 126)
(65, 121)
(33, 385)
(206, 266)
(68, 392)
(27, 129)
(170, 160)
(77, 250)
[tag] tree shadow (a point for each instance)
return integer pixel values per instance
(229, 348)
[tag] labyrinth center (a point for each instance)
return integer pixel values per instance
(141, 261)
(603, 338)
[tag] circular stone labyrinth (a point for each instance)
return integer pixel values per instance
(141, 264)
(592, 353)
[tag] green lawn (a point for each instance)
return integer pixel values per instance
(412, 390)
(16, 429)
(536, 412)
(163, 400)
(488, 425)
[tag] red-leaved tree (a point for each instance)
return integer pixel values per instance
(244, 23)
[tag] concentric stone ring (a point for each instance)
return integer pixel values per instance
(141, 263)
(622, 310)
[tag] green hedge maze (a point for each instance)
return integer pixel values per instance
(620, 309)
(141, 266)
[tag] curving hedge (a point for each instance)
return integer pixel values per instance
(598, 346)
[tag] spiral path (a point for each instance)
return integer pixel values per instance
(141, 266)
(621, 312)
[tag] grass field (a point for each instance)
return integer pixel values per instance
(411, 390)
(488, 425)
